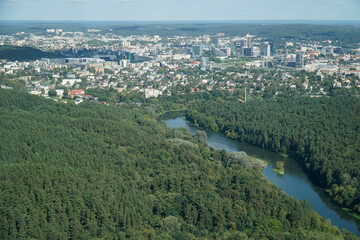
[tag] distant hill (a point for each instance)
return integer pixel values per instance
(24, 53)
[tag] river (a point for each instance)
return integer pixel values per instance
(294, 182)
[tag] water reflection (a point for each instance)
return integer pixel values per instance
(294, 182)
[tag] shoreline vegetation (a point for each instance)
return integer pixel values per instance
(302, 138)
(280, 165)
(97, 171)
(279, 168)
(200, 124)
(352, 213)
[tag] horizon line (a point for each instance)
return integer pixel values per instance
(179, 20)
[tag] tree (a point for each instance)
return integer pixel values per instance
(171, 224)
(280, 165)
(201, 137)
(66, 93)
(52, 93)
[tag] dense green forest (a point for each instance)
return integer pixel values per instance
(323, 134)
(96, 171)
(14, 53)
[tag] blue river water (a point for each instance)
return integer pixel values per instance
(294, 182)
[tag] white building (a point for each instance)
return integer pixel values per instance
(59, 92)
(152, 93)
(124, 63)
(78, 101)
(70, 82)
(58, 31)
(181, 56)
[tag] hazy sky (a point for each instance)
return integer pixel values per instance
(129, 10)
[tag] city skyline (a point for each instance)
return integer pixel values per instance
(170, 10)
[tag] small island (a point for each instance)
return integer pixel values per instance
(279, 167)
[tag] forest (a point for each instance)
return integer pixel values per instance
(93, 171)
(16, 53)
(322, 134)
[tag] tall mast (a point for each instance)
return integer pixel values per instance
(245, 94)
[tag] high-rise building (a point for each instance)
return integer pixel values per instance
(247, 48)
(242, 44)
(265, 49)
(268, 50)
(228, 52)
(233, 47)
(247, 51)
(215, 41)
(197, 50)
(299, 60)
(256, 51)
(205, 64)
(248, 40)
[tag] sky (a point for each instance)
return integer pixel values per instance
(175, 10)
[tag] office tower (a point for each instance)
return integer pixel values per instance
(205, 64)
(228, 52)
(197, 50)
(299, 60)
(265, 49)
(268, 50)
(233, 47)
(256, 51)
(248, 41)
(215, 41)
(247, 51)
(241, 46)
(247, 46)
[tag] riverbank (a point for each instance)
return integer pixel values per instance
(279, 171)
(295, 182)
(316, 180)
(180, 112)
(351, 213)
